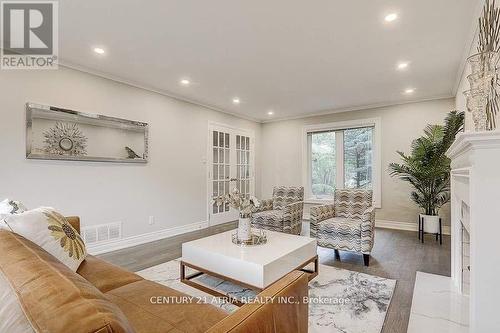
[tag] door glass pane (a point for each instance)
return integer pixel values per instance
(226, 141)
(216, 172)
(323, 164)
(215, 190)
(226, 155)
(358, 156)
(237, 142)
(248, 143)
(221, 139)
(221, 171)
(215, 136)
(216, 155)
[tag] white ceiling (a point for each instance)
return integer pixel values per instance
(295, 57)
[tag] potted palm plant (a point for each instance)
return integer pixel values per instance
(427, 168)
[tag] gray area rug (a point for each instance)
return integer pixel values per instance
(341, 300)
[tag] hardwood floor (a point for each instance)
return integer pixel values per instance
(151, 254)
(396, 255)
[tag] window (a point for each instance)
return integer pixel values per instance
(358, 159)
(323, 164)
(341, 155)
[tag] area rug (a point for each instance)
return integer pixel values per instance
(341, 300)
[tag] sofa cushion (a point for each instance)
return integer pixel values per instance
(52, 297)
(105, 276)
(143, 304)
(52, 232)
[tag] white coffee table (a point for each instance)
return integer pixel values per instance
(254, 267)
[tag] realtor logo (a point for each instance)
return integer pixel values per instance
(29, 34)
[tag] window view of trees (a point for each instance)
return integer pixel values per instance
(358, 157)
(323, 168)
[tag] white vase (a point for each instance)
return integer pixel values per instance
(431, 223)
(244, 229)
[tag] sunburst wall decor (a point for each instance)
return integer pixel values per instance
(65, 139)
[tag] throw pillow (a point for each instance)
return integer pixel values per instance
(9, 207)
(52, 232)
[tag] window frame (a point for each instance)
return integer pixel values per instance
(339, 126)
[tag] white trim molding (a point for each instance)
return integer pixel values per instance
(377, 152)
(408, 226)
(126, 242)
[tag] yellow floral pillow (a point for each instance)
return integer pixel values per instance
(52, 232)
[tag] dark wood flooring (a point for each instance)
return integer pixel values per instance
(396, 255)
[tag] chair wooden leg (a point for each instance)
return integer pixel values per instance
(337, 254)
(366, 258)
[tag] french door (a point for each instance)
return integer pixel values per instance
(230, 166)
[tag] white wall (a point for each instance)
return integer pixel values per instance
(171, 187)
(281, 162)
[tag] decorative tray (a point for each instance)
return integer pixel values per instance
(258, 238)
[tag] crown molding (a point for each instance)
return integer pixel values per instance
(142, 86)
(357, 108)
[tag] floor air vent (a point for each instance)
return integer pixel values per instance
(102, 233)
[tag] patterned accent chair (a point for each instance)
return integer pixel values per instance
(348, 224)
(281, 213)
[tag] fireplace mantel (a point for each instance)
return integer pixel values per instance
(475, 217)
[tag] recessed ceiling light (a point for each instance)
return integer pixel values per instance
(236, 100)
(185, 82)
(403, 65)
(99, 50)
(409, 91)
(391, 17)
(270, 112)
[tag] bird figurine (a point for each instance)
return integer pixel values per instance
(131, 153)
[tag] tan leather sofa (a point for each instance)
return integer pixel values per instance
(104, 298)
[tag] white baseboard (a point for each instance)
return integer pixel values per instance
(100, 248)
(386, 224)
(404, 226)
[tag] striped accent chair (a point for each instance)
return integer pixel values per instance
(281, 213)
(348, 224)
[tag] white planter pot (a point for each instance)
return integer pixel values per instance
(244, 229)
(431, 223)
